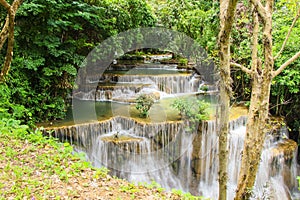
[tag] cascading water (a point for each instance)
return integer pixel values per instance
(165, 152)
(129, 86)
(270, 178)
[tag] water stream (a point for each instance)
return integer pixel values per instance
(161, 148)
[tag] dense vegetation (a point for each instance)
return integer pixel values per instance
(53, 37)
(51, 40)
(192, 109)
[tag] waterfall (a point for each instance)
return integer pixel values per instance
(86, 133)
(128, 87)
(171, 84)
(165, 153)
(274, 170)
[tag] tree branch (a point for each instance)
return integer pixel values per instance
(284, 65)
(244, 69)
(5, 4)
(260, 8)
(288, 35)
(227, 16)
(15, 5)
(4, 32)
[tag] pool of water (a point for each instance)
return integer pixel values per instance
(149, 71)
(160, 111)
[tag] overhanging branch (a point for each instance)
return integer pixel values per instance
(5, 4)
(284, 65)
(288, 35)
(244, 69)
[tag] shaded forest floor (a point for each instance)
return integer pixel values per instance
(33, 167)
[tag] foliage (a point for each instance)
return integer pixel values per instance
(183, 62)
(198, 19)
(187, 195)
(195, 110)
(143, 104)
(52, 39)
(45, 167)
(192, 110)
(285, 87)
(241, 50)
(8, 109)
(204, 88)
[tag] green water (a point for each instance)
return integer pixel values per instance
(161, 111)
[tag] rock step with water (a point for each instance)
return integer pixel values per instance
(85, 134)
(126, 88)
(190, 161)
(172, 83)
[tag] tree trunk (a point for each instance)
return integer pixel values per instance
(4, 32)
(11, 9)
(259, 107)
(227, 11)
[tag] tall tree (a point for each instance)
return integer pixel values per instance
(8, 32)
(262, 73)
(227, 12)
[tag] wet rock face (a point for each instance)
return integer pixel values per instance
(158, 133)
(155, 95)
(285, 148)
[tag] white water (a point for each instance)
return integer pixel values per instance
(269, 182)
(167, 155)
(124, 90)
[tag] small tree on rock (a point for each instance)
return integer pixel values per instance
(143, 104)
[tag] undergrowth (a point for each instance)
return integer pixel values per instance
(33, 166)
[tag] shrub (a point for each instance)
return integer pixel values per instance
(192, 110)
(143, 104)
(183, 62)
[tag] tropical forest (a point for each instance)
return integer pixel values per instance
(150, 99)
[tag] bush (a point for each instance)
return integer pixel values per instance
(191, 109)
(183, 62)
(143, 104)
(45, 65)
